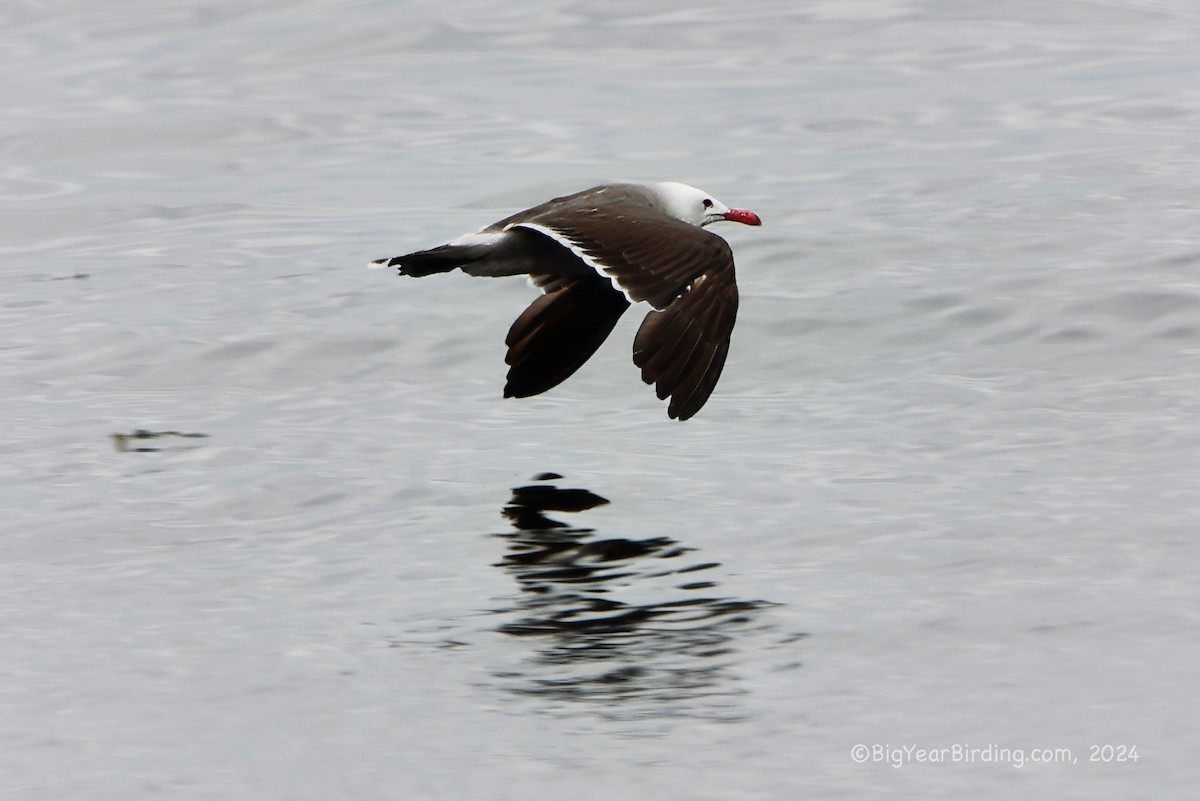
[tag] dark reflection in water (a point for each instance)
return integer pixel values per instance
(631, 622)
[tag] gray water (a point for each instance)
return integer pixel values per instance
(944, 497)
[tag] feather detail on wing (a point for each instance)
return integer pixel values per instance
(560, 331)
(682, 348)
(650, 257)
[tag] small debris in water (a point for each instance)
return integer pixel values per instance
(124, 443)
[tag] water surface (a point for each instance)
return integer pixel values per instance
(944, 495)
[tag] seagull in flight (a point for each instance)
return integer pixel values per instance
(593, 254)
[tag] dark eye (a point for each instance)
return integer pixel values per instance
(707, 203)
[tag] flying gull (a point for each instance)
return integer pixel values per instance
(593, 254)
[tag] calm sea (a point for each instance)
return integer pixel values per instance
(270, 531)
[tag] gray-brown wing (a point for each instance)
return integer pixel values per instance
(649, 255)
(560, 331)
(682, 348)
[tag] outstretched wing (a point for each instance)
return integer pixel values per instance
(682, 348)
(648, 258)
(649, 255)
(560, 331)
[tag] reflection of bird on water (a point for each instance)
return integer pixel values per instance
(659, 640)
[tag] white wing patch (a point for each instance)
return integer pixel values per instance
(574, 247)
